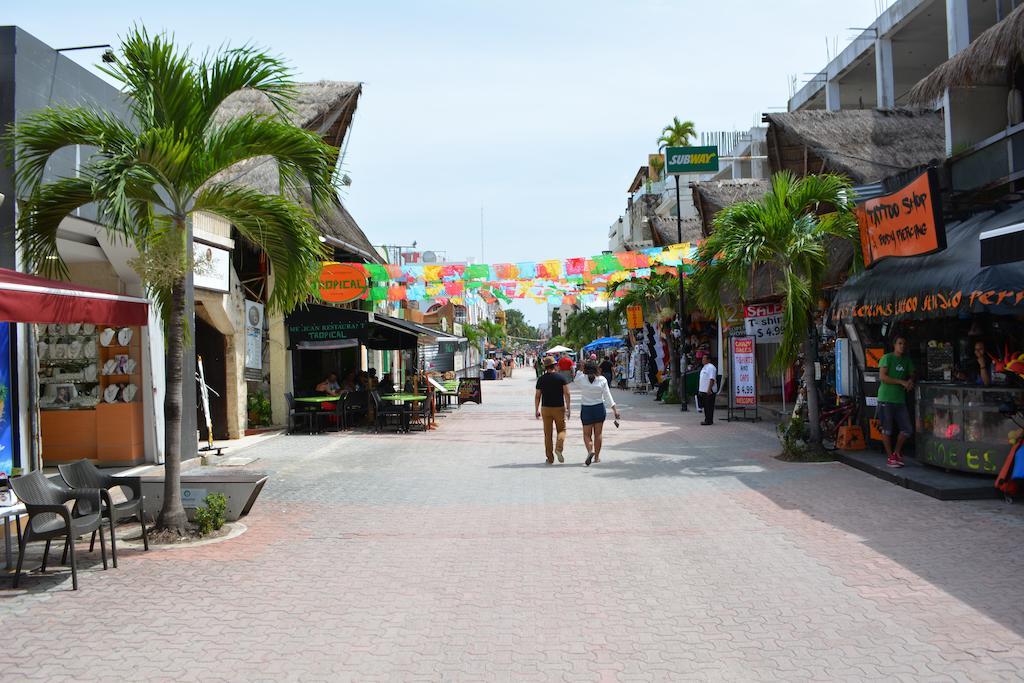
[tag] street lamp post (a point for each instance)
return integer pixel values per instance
(682, 307)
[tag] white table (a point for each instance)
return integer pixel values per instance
(6, 513)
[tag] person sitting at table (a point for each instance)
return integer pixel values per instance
(363, 381)
(386, 386)
(330, 386)
(349, 382)
(373, 383)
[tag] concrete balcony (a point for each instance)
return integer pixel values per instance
(995, 161)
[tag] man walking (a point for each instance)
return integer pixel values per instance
(551, 402)
(707, 388)
(896, 373)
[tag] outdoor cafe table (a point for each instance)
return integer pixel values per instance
(317, 399)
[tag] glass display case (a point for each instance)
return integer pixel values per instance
(960, 427)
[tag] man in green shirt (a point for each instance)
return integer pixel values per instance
(896, 374)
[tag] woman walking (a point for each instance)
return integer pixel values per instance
(594, 396)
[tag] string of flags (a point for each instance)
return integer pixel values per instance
(555, 281)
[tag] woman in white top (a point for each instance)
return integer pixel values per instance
(594, 396)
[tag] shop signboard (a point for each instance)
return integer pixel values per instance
(691, 159)
(907, 222)
(342, 282)
(763, 322)
(635, 317)
(469, 390)
(211, 267)
(6, 400)
(253, 340)
(744, 372)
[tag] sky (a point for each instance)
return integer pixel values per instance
(538, 113)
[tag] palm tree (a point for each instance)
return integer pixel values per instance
(677, 134)
(787, 233)
(150, 175)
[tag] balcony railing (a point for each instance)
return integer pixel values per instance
(992, 162)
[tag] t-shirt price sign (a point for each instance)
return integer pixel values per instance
(763, 322)
(744, 373)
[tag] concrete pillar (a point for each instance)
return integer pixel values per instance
(958, 25)
(832, 96)
(885, 90)
(280, 368)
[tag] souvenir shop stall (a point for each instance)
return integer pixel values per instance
(964, 324)
(86, 368)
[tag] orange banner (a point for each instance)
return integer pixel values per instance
(907, 222)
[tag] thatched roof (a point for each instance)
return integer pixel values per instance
(712, 196)
(864, 144)
(665, 231)
(325, 107)
(986, 61)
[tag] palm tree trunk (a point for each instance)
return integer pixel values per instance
(813, 409)
(172, 515)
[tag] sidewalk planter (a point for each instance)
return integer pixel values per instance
(240, 488)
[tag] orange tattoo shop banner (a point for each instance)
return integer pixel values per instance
(907, 222)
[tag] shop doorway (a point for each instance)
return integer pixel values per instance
(211, 345)
(312, 366)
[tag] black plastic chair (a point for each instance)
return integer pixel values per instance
(84, 475)
(356, 407)
(384, 410)
(420, 412)
(295, 415)
(50, 518)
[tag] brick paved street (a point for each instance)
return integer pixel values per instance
(458, 555)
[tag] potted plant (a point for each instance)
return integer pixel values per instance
(259, 410)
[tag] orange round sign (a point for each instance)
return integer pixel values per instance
(342, 282)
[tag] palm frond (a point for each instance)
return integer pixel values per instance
(281, 228)
(306, 162)
(244, 68)
(40, 218)
(42, 133)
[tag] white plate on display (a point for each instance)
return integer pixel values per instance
(95, 393)
(88, 328)
(129, 366)
(109, 366)
(110, 393)
(75, 349)
(56, 329)
(90, 373)
(89, 349)
(59, 351)
(74, 328)
(107, 336)
(124, 336)
(42, 349)
(128, 393)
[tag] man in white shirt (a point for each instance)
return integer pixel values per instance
(707, 388)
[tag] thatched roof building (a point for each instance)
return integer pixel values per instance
(864, 144)
(326, 107)
(665, 231)
(988, 60)
(712, 196)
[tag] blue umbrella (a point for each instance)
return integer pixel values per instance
(604, 343)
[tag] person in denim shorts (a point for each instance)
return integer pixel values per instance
(896, 374)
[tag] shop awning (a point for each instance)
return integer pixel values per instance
(944, 284)
(317, 326)
(31, 299)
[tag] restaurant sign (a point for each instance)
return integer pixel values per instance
(691, 159)
(343, 282)
(907, 222)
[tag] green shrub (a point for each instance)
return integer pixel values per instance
(211, 517)
(259, 409)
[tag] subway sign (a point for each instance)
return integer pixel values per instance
(691, 159)
(342, 282)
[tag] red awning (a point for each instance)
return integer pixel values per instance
(30, 299)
